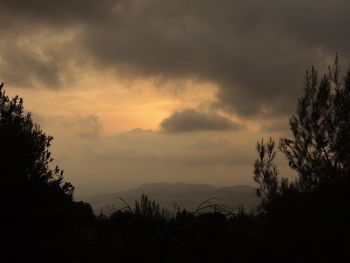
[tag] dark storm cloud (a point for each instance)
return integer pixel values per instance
(256, 51)
(190, 120)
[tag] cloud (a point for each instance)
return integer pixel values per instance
(83, 127)
(88, 126)
(37, 58)
(255, 51)
(190, 120)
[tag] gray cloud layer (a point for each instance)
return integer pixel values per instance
(190, 120)
(256, 51)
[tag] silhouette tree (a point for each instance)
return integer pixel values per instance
(148, 208)
(311, 213)
(265, 171)
(40, 213)
(24, 149)
(320, 148)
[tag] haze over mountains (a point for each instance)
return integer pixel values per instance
(187, 196)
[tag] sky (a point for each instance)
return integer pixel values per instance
(138, 91)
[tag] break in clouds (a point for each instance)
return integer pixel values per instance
(255, 51)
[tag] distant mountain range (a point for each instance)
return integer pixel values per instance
(187, 196)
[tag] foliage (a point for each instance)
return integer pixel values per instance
(320, 148)
(39, 213)
(265, 171)
(311, 213)
(148, 208)
(24, 149)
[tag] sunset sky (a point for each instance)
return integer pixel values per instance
(138, 91)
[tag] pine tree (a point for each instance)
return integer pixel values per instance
(319, 150)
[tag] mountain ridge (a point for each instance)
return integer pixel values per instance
(185, 195)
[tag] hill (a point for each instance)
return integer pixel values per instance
(187, 196)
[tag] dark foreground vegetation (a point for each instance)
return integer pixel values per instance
(304, 220)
